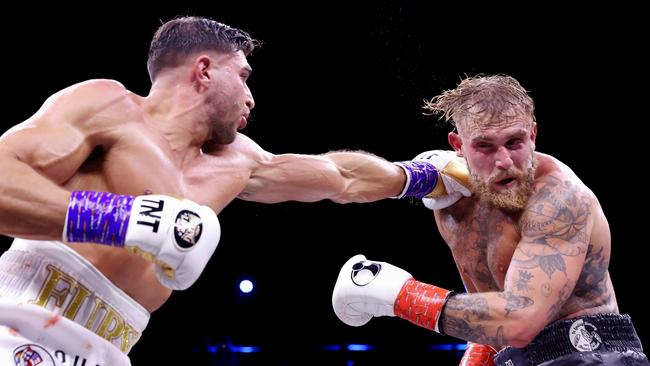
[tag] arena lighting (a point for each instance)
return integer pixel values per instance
(234, 348)
(352, 347)
(359, 347)
(244, 349)
(332, 347)
(448, 347)
(356, 347)
(246, 286)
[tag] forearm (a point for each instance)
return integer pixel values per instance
(366, 289)
(31, 206)
(366, 177)
(489, 318)
(342, 177)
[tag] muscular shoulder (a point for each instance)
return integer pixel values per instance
(560, 202)
(96, 111)
(95, 96)
(106, 86)
(552, 175)
(85, 102)
(88, 92)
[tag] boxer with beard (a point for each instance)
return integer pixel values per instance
(529, 238)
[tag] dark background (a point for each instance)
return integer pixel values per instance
(354, 76)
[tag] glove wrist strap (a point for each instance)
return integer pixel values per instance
(97, 217)
(421, 178)
(478, 354)
(421, 304)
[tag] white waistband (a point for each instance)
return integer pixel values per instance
(53, 276)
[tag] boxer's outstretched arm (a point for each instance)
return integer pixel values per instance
(41, 153)
(338, 176)
(346, 176)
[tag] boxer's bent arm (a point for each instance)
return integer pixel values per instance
(35, 158)
(339, 176)
(31, 206)
(542, 274)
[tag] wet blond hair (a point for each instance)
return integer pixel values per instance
(483, 100)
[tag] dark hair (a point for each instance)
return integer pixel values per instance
(182, 36)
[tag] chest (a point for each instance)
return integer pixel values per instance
(482, 241)
(149, 167)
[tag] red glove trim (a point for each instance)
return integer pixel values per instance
(478, 355)
(421, 303)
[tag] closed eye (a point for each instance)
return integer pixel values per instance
(483, 146)
(514, 143)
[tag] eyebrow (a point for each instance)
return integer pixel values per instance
(483, 138)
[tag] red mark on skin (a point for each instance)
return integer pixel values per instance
(52, 321)
(147, 191)
(13, 331)
(502, 268)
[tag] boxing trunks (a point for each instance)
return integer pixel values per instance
(57, 309)
(603, 339)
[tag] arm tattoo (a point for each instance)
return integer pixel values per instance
(556, 219)
(594, 273)
(462, 317)
(477, 333)
(469, 238)
(469, 307)
(563, 296)
(522, 282)
(514, 302)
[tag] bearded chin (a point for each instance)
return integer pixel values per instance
(512, 200)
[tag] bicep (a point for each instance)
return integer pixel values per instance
(52, 147)
(542, 278)
(550, 256)
(60, 136)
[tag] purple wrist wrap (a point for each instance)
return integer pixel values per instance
(98, 217)
(421, 178)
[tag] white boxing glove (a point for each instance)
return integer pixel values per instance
(454, 175)
(365, 289)
(179, 236)
(187, 234)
